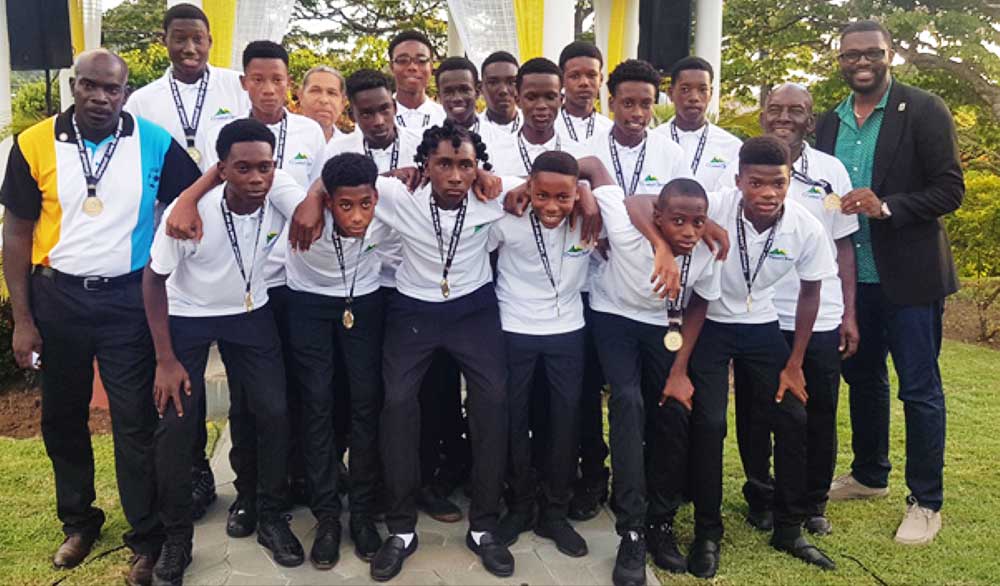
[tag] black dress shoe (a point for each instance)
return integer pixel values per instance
(74, 549)
(761, 520)
(175, 557)
(630, 563)
(277, 536)
(818, 525)
(365, 537)
(140, 569)
(437, 506)
(325, 552)
(242, 519)
(805, 551)
(663, 546)
(202, 491)
(389, 559)
(588, 495)
(568, 541)
(512, 525)
(703, 559)
(495, 556)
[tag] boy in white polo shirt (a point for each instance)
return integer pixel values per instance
(411, 59)
(581, 63)
(199, 292)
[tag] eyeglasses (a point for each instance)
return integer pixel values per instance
(872, 55)
(404, 60)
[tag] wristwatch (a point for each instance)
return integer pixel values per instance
(886, 213)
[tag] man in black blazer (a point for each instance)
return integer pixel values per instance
(898, 144)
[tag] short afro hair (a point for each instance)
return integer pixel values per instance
(348, 170)
(538, 65)
(456, 64)
(691, 63)
(867, 26)
(410, 35)
(368, 79)
(764, 150)
(580, 49)
(499, 57)
(264, 50)
(559, 162)
(634, 70)
(454, 133)
(680, 187)
(184, 12)
(242, 130)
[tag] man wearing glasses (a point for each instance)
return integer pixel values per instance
(898, 144)
(412, 58)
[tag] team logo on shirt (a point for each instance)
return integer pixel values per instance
(815, 193)
(717, 162)
(576, 250)
(371, 247)
(779, 254)
(478, 228)
(222, 113)
(270, 236)
(651, 179)
(301, 158)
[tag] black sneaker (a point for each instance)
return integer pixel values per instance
(495, 556)
(568, 541)
(389, 559)
(175, 557)
(512, 525)
(818, 525)
(663, 547)
(437, 506)
(588, 496)
(761, 520)
(703, 558)
(277, 536)
(202, 491)
(365, 537)
(325, 552)
(630, 564)
(242, 519)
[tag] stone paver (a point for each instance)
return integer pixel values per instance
(442, 558)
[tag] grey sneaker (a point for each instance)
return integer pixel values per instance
(846, 487)
(920, 525)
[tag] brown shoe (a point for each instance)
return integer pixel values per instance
(141, 572)
(73, 550)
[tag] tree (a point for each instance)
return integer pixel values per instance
(133, 24)
(349, 20)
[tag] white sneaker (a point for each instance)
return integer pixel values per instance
(919, 526)
(846, 487)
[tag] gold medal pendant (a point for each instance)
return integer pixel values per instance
(92, 206)
(195, 154)
(445, 288)
(248, 302)
(831, 202)
(673, 341)
(348, 319)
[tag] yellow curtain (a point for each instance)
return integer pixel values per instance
(76, 26)
(222, 18)
(616, 35)
(530, 16)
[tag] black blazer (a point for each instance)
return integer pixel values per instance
(917, 172)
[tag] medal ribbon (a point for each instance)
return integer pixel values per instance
(616, 163)
(94, 176)
(803, 176)
(523, 149)
(190, 126)
(402, 121)
(338, 246)
(696, 161)
(456, 233)
(674, 307)
(741, 239)
(536, 229)
(572, 130)
(393, 157)
(227, 216)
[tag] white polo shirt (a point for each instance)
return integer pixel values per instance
(525, 295)
(815, 165)
(419, 275)
(204, 278)
(663, 161)
(510, 128)
(800, 246)
(507, 159)
(721, 149)
(429, 113)
(225, 100)
(582, 128)
(317, 270)
(621, 286)
(391, 249)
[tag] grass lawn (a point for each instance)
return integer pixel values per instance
(964, 553)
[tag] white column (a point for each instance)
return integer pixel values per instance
(630, 40)
(558, 27)
(708, 43)
(5, 113)
(455, 47)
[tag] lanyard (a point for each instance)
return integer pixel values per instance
(279, 157)
(190, 126)
(456, 233)
(475, 126)
(696, 161)
(247, 275)
(402, 121)
(393, 157)
(93, 176)
(741, 239)
(674, 307)
(536, 229)
(572, 130)
(516, 124)
(523, 149)
(338, 246)
(803, 176)
(636, 173)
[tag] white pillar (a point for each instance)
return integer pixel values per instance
(557, 27)
(708, 43)
(630, 40)
(5, 112)
(455, 47)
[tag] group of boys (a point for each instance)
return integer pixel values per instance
(512, 248)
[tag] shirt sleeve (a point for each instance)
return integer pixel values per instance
(178, 173)
(166, 252)
(390, 193)
(320, 149)
(815, 262)
(20, 193)
(496, 236)
(843, 225)
(286, 194)
(611, 201)
(709, 283)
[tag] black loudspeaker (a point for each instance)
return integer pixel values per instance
(39, 34)
(664, 31)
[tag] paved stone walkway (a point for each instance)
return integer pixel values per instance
(442, 557)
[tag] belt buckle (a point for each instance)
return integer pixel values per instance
(92, 283)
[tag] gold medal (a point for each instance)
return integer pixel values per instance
(93, 206)
(673, 341)
(195, 154)
(831, 202)
(348, 319)
(248, 302)
(445, 289)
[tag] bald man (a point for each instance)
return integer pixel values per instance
(79, 192)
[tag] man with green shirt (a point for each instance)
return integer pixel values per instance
(898, 144)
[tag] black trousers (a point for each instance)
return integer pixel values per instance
(641, 430)
(251, 352)
(76, 326)
(316, 334)
(761, 351)
(593, 448)
(561, 356)
(822, 371)
(467, 328)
